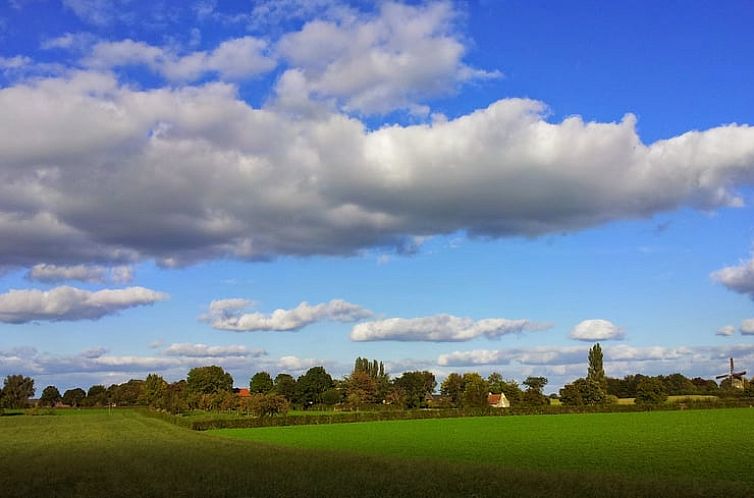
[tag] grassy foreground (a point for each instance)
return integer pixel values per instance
(125, 454)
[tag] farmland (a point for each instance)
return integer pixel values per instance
(93, 453)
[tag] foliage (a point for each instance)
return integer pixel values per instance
(126, 394)
(311, 386)
(285, 386)
(17, 390)
(650, 391)
(266, 405)
(452, 388)
(209, 380)
(583, 392)
(361, 389)
(414, 387)
(596, 371)
(50, 396)
(533, 394)
(96, 396)
(261, 382)
(475, 391)
(74, 397)
(154, 391)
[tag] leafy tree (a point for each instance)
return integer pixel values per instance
(285, 386)
(17, 390)
(705, 386)
(596, 370)
(677, 384)
(266, 405)
(209, 380)
(534, 388)
(475, 391)
(50, 396)
(583, 392)
(154, 391)
(452, 388)
(74, 397)
(361, 388)
(511, 390)
(414, 387)
(650, 391)
(312, 385)
(96, 396)
(128, 393)
(261, 382)
(332, 396)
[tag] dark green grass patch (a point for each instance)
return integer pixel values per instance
(698, 444)
(96, 454)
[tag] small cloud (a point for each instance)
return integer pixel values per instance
(747, 327)
(440, 328)
(227, 314)
(726, 331)
(737, 278)
(596, 330)
(205, 351)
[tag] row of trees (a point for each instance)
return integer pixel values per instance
(368, 385)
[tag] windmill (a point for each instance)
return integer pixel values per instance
(736, 378)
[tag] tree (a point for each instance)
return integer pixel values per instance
(650, 391)
(154, 392)
(128, 393)
(312, 385)
(452, 388)
(50, 396)
(17, 390)
(285, 386)
(361, 388)
(583, 392)
(96, 396)
(596, 370)
(261, 382)
(475, 391)
(266, 405)
(414, 387)
(209, 380)
(74, 397)
(534, 388)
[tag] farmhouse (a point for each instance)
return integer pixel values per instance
(498, 401)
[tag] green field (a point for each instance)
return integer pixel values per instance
(680, 444)
(92, 453)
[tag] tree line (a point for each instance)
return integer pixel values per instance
(368, 386)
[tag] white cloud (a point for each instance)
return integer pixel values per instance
(68, 303)
(233, 59)
(727, 330)
(737, 278)
(84, 273)
(439, 328)
(296, 364)
(378, 63)
(227, 314)
(747, 327)
(205, 351)
(596, 330)
(193, 173)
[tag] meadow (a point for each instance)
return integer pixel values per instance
(123, 453)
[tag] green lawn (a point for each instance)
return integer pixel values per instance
(91, 453)
(680, 444)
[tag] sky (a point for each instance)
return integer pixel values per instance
(445, 186)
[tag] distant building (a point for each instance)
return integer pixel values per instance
(241, 392)
(498, 401)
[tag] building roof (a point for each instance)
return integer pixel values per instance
(494, 399)
(243, 392)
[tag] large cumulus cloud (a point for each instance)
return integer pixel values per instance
(99, 172)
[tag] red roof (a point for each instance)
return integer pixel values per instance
(493, 399)
(243, 392)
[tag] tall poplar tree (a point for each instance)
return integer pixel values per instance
(596, 369)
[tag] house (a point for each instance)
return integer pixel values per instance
(498, 401)
(241, 392)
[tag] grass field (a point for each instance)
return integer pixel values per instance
(92, 453)
(682, 444)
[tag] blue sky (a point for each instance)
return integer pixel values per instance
(451, 186)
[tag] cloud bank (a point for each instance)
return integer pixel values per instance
(69, 303)
(440, 328)
(227, 314)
